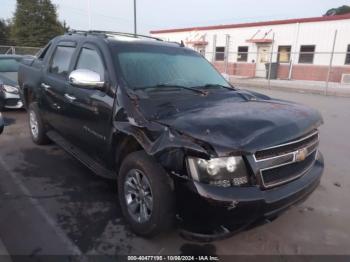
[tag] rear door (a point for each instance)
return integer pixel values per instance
(54, 86)
(91, 108)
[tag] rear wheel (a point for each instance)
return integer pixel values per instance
(145, 194)
(36, 125)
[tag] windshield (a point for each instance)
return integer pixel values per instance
(161, 67)
(9, 69)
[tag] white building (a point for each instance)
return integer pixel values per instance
(303, 47)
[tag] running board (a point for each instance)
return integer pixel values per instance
(80, 155)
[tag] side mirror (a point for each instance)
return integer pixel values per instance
(86, 79)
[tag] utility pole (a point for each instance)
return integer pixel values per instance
(331, 62)
(135, 20)
(271, 57)
(89, 12)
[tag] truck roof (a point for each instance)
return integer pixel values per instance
(118, 37)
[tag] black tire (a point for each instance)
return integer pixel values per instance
(162, 216)
(2, 105)
(38, 137)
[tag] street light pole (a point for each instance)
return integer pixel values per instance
(135, 21)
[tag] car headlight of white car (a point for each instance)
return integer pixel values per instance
(10, 89)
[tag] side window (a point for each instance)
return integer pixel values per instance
(61, 60)
(42, 53)
(91, 60)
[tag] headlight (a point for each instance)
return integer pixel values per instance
(10, 89)
(227, 171)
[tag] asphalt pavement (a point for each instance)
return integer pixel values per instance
(50, 204)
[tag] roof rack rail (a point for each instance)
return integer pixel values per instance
(106, 33)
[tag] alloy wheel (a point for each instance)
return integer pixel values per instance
(33, 123)
(138, 196)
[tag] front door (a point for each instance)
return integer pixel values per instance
(264, 54)
(91, 109)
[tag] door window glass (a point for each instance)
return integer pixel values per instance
(264, 55)
(61, 60)
(89, 59)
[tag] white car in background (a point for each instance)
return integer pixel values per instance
(9, 90)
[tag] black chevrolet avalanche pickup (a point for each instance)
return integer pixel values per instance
(185, 147)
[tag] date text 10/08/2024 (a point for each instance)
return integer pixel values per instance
(173, 258)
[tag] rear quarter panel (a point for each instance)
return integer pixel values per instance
(29, 78)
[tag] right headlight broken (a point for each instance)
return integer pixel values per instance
(224, 172)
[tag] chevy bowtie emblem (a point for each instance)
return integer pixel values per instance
(301, 155)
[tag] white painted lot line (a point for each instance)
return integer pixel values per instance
(36, 204)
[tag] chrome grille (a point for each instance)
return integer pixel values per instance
(283, 163)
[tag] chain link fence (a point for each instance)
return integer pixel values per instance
(268, 64)
(317, 70)
(18, 50)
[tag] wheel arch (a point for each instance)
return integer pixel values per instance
(29, 96)
(123, 145)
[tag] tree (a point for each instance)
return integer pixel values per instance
(4, 32)
(35, 23)
(342, 10)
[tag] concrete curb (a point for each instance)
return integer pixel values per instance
(331, 91)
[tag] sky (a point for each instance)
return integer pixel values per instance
(117, 15)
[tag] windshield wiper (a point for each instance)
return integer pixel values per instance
(202, 92)
(216, 85)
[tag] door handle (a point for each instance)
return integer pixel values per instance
(45, 86)
(69, 97)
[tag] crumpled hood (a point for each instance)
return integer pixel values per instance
(232, 121)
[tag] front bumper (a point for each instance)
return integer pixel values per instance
(218, 212)
(10, 101)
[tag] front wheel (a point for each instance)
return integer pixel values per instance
(146, 195)
(37, 126)
(2, 105)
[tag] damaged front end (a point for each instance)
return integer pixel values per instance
(208, 144)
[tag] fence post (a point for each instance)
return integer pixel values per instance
(294, 54)
(227, 52)
(214, 49)
(271, 56)
(331, 62)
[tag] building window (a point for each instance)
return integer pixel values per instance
(220, 53)
(242, 54)
(284, 54)
(307, 53)
(347, 60)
